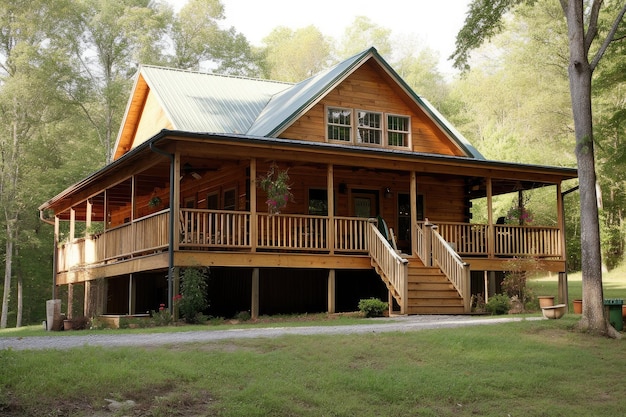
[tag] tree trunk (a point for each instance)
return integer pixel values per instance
(20, 290)
(580, 71)
(7, 277)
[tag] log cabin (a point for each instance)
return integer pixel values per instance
(379, 199)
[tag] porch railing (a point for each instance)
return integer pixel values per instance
(292, 232)
(214, 229)
(508, 240)
(389, 264)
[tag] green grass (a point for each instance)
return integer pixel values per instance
(613, 285)
(528, 368)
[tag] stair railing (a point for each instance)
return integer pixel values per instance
(392, 267)
(452, 265)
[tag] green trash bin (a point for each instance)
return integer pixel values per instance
(614, 306)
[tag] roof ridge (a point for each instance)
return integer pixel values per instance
(213, 74)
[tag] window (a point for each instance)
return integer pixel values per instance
(369, 127)
(397, 130)
(230, 199)
(339, 124)
(365, 127)
(318, 202)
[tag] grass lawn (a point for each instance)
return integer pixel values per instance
(528, 368)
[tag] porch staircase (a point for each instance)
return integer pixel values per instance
(430, 291)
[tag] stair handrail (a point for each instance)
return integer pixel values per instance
(393, 266)
(452, 265)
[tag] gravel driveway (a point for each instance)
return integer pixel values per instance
(396, 324)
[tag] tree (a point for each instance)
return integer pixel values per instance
(484, 20)
(111, 38)
(295, 55)
(198, 40)
(364, 34)
(29, 50)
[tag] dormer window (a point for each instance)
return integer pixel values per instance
(363, 127)
(340, 124)
(369, 128)
(397, 130)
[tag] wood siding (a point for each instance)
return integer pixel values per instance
(368, 89)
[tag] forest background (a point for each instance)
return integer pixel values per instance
(67, 67)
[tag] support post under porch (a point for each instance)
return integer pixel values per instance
(331, 291)
(254, 308)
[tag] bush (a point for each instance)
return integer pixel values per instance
(373, 307)
(498, 304)
(193, 299)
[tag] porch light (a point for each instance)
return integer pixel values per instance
(388, 193)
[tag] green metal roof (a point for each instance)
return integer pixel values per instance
(201, 102)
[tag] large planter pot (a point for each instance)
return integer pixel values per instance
(624, 312)
(546, 301)
(68, 324)
(578, 306)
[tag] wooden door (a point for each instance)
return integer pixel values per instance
(364, 203)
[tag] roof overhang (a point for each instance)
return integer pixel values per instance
(301, 151)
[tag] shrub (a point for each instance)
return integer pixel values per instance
(193, 298)
(498, 304)
(163, 317)
(80, 323)
(373, 307)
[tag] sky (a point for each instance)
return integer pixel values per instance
(434, 23)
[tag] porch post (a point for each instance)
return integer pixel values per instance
(131, 294)
(491, 235)
(90, 255)
(413, 197)
(70, 300)
(87, 296)
(254, 222)
(330, 234)
(563, 288)
(55, 257)
(428, 246)
(72, 224)
(254, 308)
(331, 291)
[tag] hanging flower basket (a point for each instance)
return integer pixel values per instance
(519, 215)
(276, 184)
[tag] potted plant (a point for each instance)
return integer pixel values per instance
(154, 202)
(276, 184)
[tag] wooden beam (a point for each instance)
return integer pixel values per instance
(330, 188)
(254, 304)
(254, 223)
(272, 260)
(331, 291)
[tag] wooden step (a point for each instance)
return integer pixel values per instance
(429, 291)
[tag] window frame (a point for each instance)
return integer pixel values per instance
(354, 128)
(380, 129)
(328, 124)
(388, 131)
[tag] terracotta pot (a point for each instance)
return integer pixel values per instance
(546, 301)
(624, 312)
(578, 306)
(68, 324)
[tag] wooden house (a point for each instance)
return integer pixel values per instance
(365, 156)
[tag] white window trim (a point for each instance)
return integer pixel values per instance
(354, 126)
(381, 129)
(328, 123)
(387, 130)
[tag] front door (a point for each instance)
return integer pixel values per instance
(365, 203)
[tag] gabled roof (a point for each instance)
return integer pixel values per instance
(208, 103)
(197, 102)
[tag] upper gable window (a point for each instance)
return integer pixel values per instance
(339, 124)
(364, 127)
(369, 129)
(397, 130)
